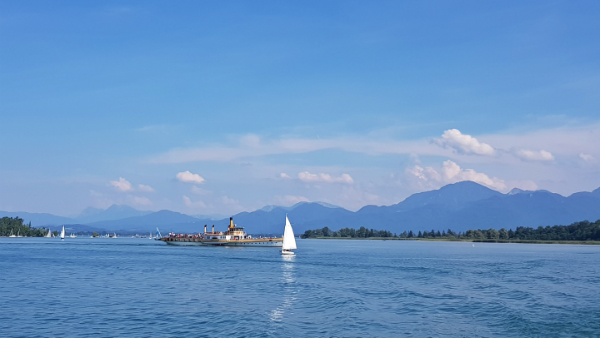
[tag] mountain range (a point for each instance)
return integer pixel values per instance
(459, 206)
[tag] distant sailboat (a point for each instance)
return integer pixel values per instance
(73, 235)
(11, 234)
(158, 235)
(49, 234)
(19, 234)
(289, 241)
(62, 233)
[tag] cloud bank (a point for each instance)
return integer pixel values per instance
(531, 155)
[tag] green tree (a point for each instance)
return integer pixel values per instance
(493, 234)
(503, 234)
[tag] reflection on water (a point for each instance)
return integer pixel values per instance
(288, 282)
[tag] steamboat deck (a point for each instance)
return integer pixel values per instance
(234, 236)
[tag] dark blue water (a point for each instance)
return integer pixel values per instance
(333, 288)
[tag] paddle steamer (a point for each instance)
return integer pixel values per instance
(234, 236)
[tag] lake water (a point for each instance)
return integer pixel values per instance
(86, 287)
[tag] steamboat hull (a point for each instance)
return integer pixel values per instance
(266, 242)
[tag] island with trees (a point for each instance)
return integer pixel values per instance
(579, 232)
(15, 226)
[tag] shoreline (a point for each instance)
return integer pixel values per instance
(514, 241)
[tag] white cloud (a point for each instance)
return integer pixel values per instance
(530, 155)
(586, 157)
(308, 177)
(452, 173)
(145, 188)
(122, 184)
(188, 203)
(188, 177)
(284, 175)
(463, 143)
(126, 186)
(425, 174)
(142, 201)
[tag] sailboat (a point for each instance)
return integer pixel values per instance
(62, 233)
(73, 235)
(289, 241)
(19, 234)
(11, 234)
(49, 234)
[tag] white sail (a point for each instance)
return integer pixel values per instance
(49, 234)
(62, 233)
(289, 241)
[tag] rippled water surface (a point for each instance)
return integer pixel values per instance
(333, 288)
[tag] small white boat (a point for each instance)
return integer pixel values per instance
(49, 234)
(62, 233)
(289, 240)
(73, 235)
(11, 234)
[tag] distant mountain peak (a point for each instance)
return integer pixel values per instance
(327, 205)
(89, 211)
(119, 207)
(515, 191)
(269, 208)
(114, 212)
(455, 196)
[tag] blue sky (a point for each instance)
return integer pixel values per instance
(351, 103)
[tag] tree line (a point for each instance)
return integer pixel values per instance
(347, 232)
(579, 231)
(16, 226)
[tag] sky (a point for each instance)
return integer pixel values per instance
(218, 107)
